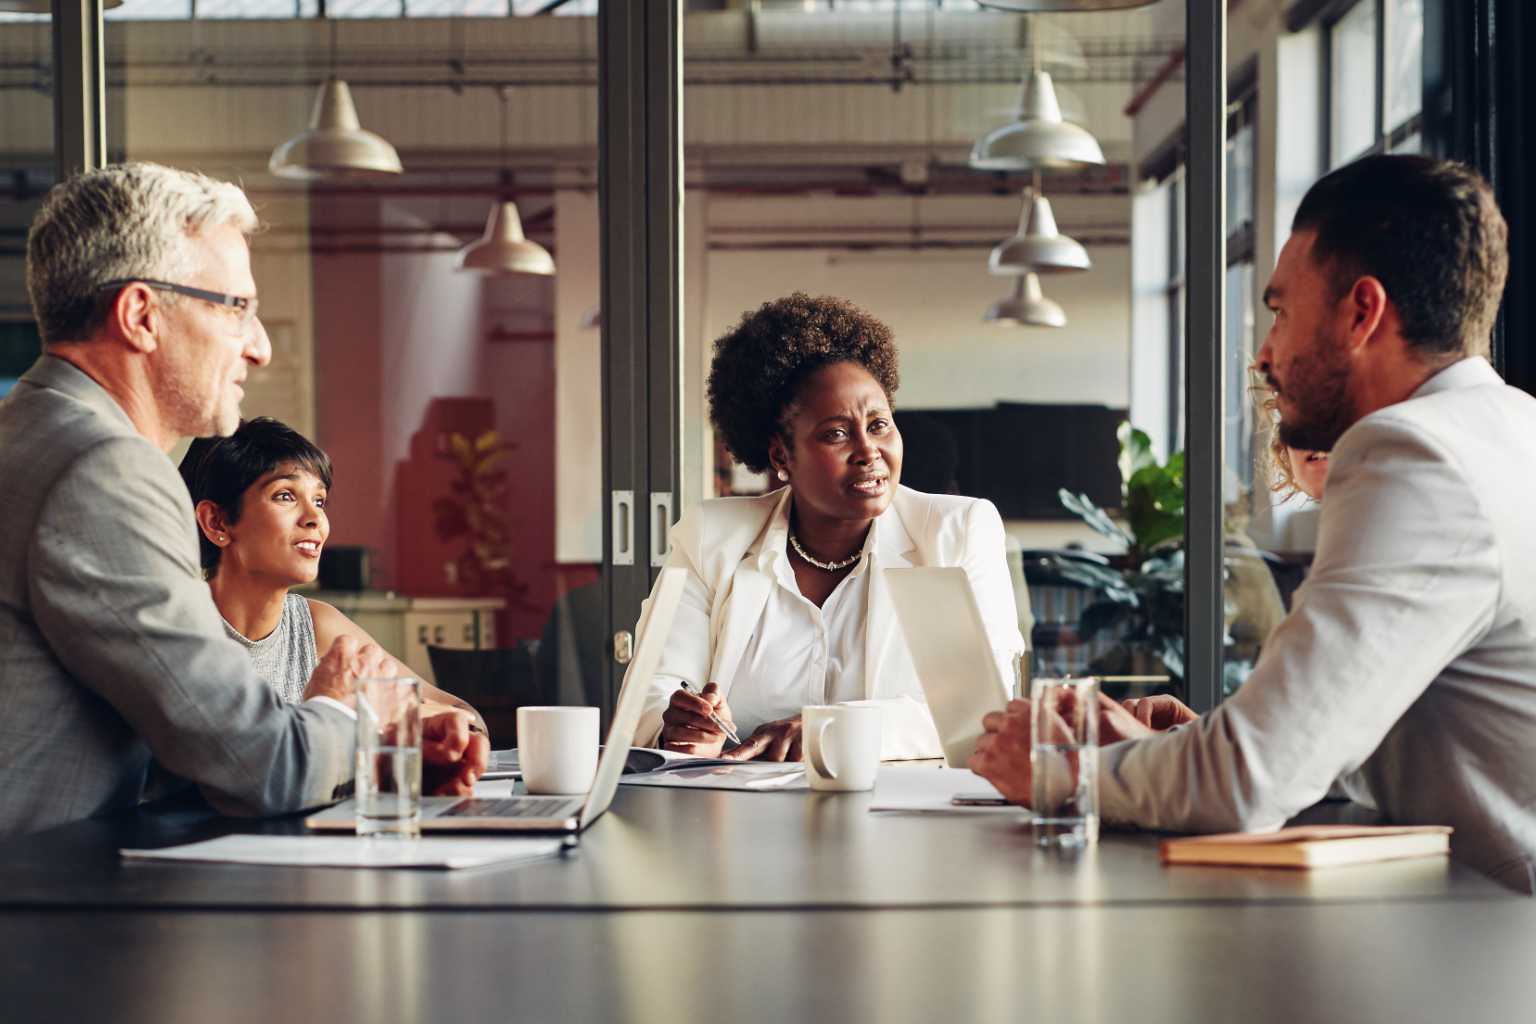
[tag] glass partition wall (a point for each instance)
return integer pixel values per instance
(432, 289)
(825, 149)
(891, 154)
(27, 170)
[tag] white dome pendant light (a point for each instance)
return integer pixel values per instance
(1026, 307)
(1063, 5)
(504, 249)
(1038, 245)
(1040, 137)
(334, 147)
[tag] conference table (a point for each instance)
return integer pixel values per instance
(682, 905)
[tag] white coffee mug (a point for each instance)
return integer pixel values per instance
(557, 749)
(841, 746)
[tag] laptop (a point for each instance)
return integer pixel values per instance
(567, 814)
(942, 623)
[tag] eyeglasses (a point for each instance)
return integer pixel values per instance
(243, 306)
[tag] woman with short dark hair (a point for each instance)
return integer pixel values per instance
(260, 499)
(783, 606)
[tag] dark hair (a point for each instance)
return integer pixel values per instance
(1430, 231)
(221, 469)
(760, 365)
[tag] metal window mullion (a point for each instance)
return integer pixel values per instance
(1383, 12)
(664, 202)
(639, 96)
(79, 87)
(1205, 295)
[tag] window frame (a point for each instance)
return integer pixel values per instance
(1387, 137)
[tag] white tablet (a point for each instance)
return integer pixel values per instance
(961, 679)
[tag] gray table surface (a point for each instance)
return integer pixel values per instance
(744, 907)
(1358, 963)
(670, 849)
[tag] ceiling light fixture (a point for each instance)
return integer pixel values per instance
(42, 6)
(1063, 5)
(1026, 307)
(1039, 137)
(504, 249)
(334, 147)
(1038, 245)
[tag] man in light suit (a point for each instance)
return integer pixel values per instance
(111, 649)
(1408, 663)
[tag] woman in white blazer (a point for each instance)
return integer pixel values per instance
(784, 605)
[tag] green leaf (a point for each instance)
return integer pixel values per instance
(1097, 519)
(1135, 450)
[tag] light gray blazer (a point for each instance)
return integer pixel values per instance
(1408, 664)
(111, 649)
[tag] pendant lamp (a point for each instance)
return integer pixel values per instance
(334, 146)
(1038, 245)
(1063, 5)
(42, 6)
(1039, 137)
(1026, 307)
(504, 249)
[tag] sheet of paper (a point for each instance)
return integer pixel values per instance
(353, 852)
(922, 789)
(750, 776)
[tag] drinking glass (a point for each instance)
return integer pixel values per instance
(1064, 760)
(388, 787)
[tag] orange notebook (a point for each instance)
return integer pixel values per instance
(1311, 846)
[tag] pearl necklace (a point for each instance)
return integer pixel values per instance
(825, 566)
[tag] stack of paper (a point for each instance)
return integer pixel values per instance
(355, 852)
(925, 789)
(751, 776)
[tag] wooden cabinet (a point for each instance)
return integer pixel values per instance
(407, 626)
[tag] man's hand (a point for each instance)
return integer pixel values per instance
(773, 741)
(1160, 712)
(1002, 752)
(343, 665)
(686, 726)
(452, 757)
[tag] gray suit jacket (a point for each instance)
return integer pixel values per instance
(1408, 664)
(111, 649)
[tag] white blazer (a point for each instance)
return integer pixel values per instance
(723, 601)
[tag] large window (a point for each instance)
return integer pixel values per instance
(1374, 75)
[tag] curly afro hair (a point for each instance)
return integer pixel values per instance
(760, 365)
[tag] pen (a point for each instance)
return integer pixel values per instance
(730, 733)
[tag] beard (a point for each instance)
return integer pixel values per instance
(1319, 390)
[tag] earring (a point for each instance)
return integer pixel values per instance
(783, 476)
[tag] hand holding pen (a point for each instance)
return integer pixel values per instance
(698, 722)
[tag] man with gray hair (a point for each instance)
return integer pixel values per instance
(111, 649)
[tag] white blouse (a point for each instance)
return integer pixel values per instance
(742, 622)
(800, 654)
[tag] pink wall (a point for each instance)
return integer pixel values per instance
(403, 356)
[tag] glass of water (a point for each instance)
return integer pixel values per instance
(388, 787)
(1064, 760)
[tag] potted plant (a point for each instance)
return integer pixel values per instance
(1140, 595)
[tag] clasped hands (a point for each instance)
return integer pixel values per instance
(687, 728)
(1002, 752)
(452, 757)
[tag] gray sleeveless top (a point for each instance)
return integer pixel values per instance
(285, 658)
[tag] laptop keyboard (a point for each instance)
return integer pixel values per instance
(515, 807)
